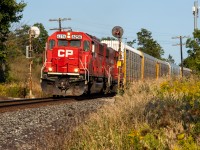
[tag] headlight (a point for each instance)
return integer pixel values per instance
(50, 69)
(76, 70)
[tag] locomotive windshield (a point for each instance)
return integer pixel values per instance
(75, 43)
(72, 43)
(62, 43)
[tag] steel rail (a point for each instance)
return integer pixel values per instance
(21, 102)
(9, 103)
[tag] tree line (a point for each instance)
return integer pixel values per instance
(13, 42)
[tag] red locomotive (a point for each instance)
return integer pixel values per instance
(77, 63)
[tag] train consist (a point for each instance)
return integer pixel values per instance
(138, 65)
(77, 63)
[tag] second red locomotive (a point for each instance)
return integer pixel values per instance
(77, 63)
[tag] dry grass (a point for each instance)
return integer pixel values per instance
(109, 128)
(18, 82)
(139, 119)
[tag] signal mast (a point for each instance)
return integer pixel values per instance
(33, 32)
(117, 32)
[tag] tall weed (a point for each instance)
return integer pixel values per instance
(162, 114)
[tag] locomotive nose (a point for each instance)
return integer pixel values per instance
(65, 60)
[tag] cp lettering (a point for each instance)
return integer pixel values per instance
(64, 53)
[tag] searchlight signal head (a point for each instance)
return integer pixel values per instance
(117, 31)
(34, 32)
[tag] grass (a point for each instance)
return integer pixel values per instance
(18, 82)
(147, 116)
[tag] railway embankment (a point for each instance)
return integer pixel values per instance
(162, 114)
(44, 127)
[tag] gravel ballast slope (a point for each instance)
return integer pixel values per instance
(29, 128)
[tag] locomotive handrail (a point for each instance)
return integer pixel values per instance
(86, 70)
(45, 57)
(109, 75)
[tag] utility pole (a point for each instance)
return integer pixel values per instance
(181, 50)
(59, 20)
(195, 10)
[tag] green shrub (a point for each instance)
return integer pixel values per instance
(188, 144)
(147, 138)
(13, 90)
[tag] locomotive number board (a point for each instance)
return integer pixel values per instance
(61, 36)
(76, 36)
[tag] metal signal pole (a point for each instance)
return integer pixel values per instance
(120, 65)
(117, 32)
(34, 32)
(30, 65)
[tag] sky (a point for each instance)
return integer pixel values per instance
(163, 18)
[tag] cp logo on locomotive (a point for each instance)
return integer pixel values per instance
(64, 53)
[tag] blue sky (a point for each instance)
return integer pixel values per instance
(164, 18)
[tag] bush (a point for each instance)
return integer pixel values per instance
(13, 90)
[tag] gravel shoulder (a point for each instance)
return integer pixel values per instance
(35, 128)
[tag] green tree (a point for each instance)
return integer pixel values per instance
(22, 37)
(39, 43)
(130, 43)
(193, 59)
(10, 11)
(170, 59)
(148, 45)
(108, 38)
(19, 39)
(41, 40)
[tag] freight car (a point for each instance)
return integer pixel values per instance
(76, 63)
(139, 66)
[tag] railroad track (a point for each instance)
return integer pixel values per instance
(9, 103)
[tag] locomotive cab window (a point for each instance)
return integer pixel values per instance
(86, 46)
(51, 44)
(62, 42)
(75, 43)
